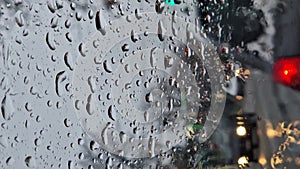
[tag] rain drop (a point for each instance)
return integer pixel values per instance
(107, 66)
(110, 112)
(54, 22)
(60, 77)
(92, 83)
(100, 22)
(10, 161)
(3, 141)
(134, 37)
(69, 36)
(138, 14)
(69, 61)
(6, 108)
(125, 48)
(68, 23)
(30, 162)
(82, 49)
(50, 42)
(20, 19)
(161, 31)
(90, 104)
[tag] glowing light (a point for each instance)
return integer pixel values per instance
(262, 160)
(241, 131)
(286, 71)
(243, 161)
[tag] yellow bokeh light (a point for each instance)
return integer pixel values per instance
(241, 131)
(243, 161)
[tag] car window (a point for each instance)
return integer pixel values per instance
(143, 84)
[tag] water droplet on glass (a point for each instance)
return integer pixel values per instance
(168, 61)
(138, 14)
(37, 142)
(107, 66)
(10, 161)
(70, 165)
(59, 4)
(67, 122)
(110, 112)
(134, 37)
(82, 49)
(20, 18)
(78, 16)
(3, 141)
(50, 41)
(104, 133)
(54, 22)
(51, 6)
(6, 108)
(123, 137)
(161, 31)
(152, 57)
(69, 37)
(69, 61)
(30, 162)
(125, 48)
(90, 104)
(100, 22)
(25, 32)
(28, 107)
(146, 116)
(92, 83)
(60, 77)
(159, 7)
(151, 147)
(91, 14)
(18, 2)
(68, 23)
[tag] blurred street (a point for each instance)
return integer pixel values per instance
(277, 108)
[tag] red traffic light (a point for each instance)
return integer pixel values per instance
(287, 71)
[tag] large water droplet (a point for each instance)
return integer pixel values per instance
(100, 22)
(134, 37)
(161, 31)
(10, 161)
(60, 77)
(123, 137)
(69, 61)
(159, 7)
(138, 14)
(151, 147)
(104, 133)
(50, 42)
(82, 49)
(107, 66)
(110, 112)
(69, 37)
(30, 162)
(90, 106)
(125, 48)
(7, 108)
(92, 83)
(3, 141)
(20, 19)
(70, 164)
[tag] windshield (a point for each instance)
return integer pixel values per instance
(144, 84)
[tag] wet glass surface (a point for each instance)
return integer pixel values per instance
(143, 84)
